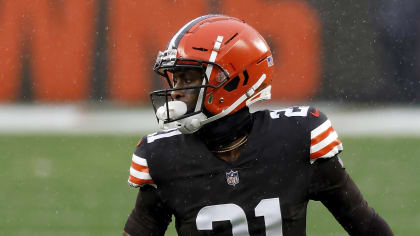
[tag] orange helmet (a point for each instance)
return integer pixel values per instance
(237, 66)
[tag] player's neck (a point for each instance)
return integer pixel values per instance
(227, 130)
(229, 156)
(231, 152)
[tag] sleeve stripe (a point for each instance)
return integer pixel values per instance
(325, 142)
(139, 172)
(139, 175)
(328, 151)
(322, 136)
(135, 182)
(332, 153)
(139, 160)
(139, 167)
(320, 129)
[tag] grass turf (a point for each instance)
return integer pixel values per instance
(76, 185)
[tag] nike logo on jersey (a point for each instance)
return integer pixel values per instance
(316, 114)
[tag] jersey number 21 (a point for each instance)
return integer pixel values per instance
(268, 208)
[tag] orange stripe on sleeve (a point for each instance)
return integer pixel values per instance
(322, 136)
(326, 149)
(139, 167)
(137, 181)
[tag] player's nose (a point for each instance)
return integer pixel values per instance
(177, 94)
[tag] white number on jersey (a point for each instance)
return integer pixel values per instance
(290, 111)
(268, 208)
(164, 134)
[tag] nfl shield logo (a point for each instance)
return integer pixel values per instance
(232, 177)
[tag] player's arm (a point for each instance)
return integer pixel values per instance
(331, 184)
(149, 217)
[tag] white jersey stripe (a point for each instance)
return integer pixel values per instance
(334, 151)
(325, 142)
(320, 129)
(139, 174)
(139, 160)
(331, 153)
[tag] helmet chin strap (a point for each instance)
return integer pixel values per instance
(187, 125)
(238, 102)
(177, 109)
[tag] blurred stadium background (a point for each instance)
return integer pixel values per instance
(75, 78)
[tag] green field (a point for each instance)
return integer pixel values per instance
(76, 185)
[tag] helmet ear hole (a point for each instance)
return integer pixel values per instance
(232, 85)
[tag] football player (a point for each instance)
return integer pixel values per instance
(221, 170)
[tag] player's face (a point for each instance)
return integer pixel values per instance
(187, 78)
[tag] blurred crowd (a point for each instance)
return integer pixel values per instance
(327, 50)
(397, 23)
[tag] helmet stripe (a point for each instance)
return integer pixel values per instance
(173, 44)
(209, 69)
